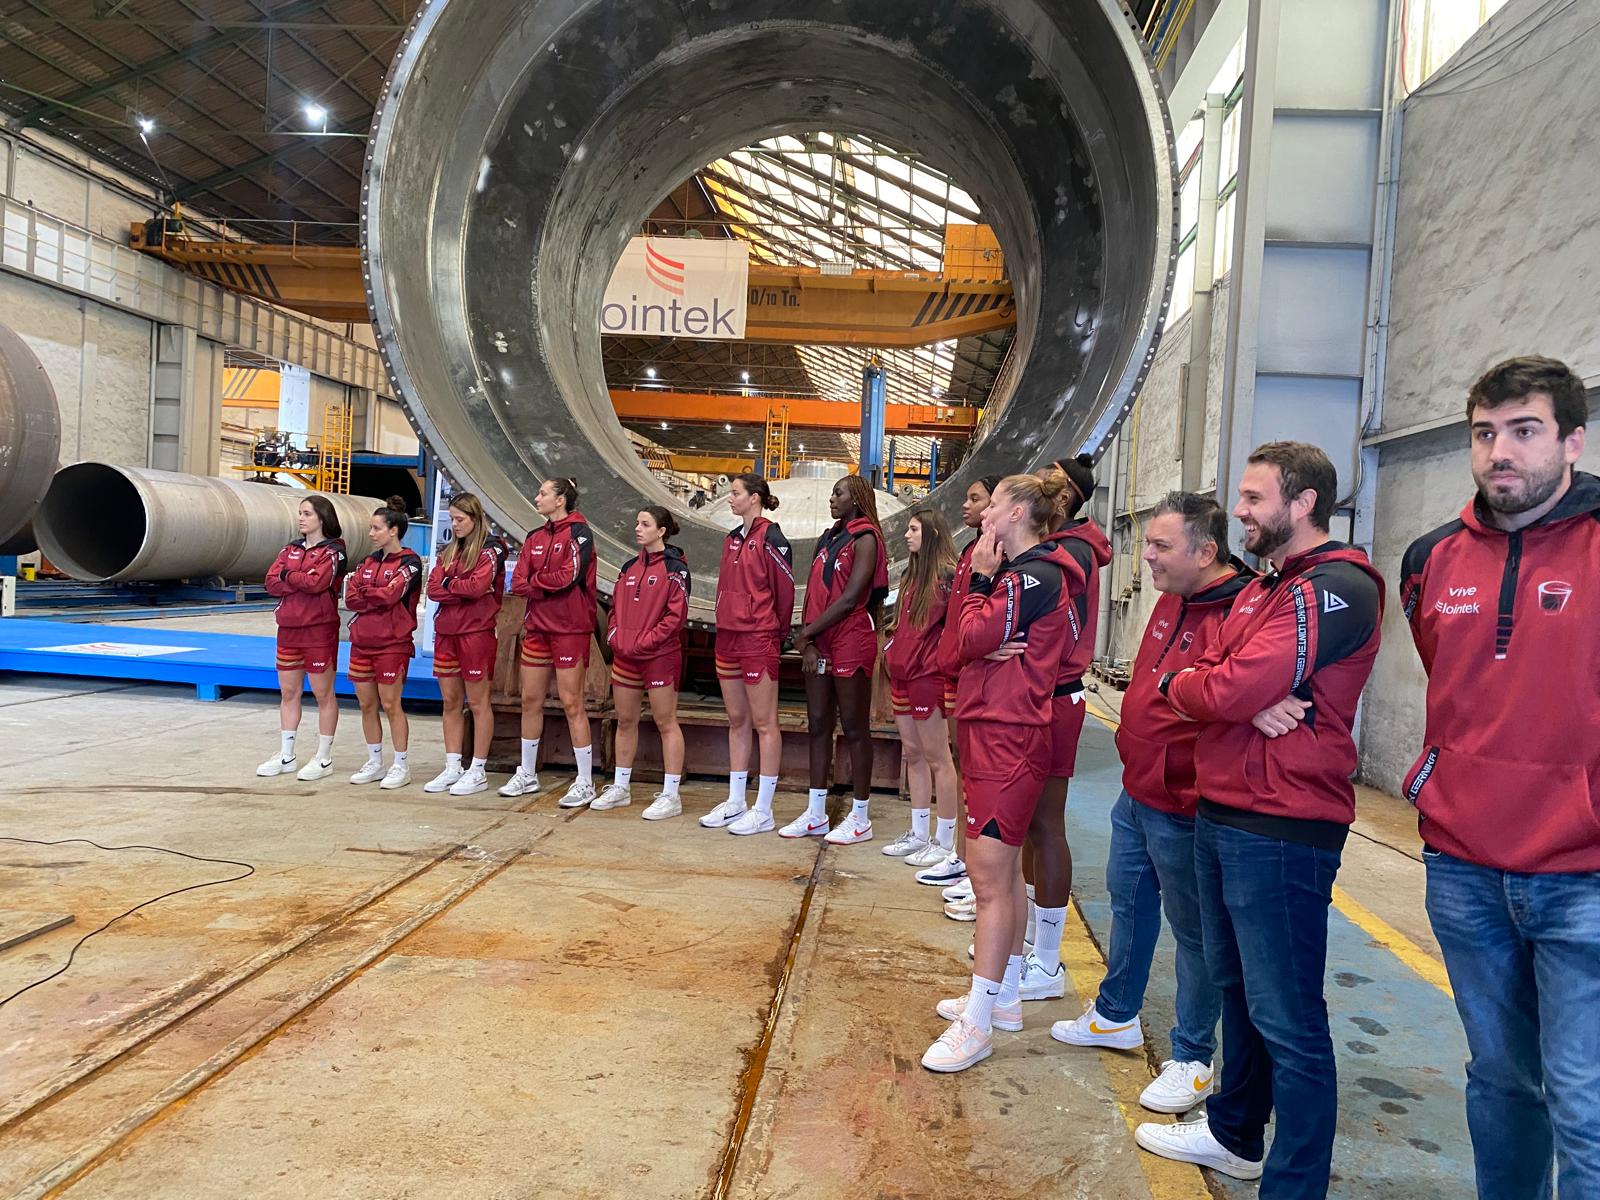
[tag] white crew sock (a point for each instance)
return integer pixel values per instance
(585, 758)
(817, 803)
(399, 758)
(622, 776)
(919, 824)
(1030, 931)
(858, 808)
(669, 784)
(452, 760)
(981, 1001)
(479, 764)
(738, 781)
(325, 747)
(374, 753)
(945, 833)
(530, 755)
(1047, 940)
(286, 744)
(767, 787)
(1011, 985)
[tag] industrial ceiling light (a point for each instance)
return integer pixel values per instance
(664, 425)
(727, 429)
(147, 125)
(315, 113)
(745, 375)
(650, 372)
(749, 445)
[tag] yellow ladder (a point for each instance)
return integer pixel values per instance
(776, 443)
(333, 465)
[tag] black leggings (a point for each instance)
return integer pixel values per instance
(849, 699)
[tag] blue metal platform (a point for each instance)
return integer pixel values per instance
(215, 663)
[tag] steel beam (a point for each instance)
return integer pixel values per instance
(840, 416)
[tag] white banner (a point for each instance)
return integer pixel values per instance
(679, 287)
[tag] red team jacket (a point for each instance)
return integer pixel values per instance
(831, 564)
(1508, 627)
(1087, 543)
(1310, 628)
(306, 582)
(555, 573)
(949, 651)
(383, 593)
(913, 652)
(469, 594)
(650, 606)
(1156, 744)
(755, 584)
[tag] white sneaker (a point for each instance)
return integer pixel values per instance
(753, 821)
(1179, 1087)
(276, 766)
(662, 807)
(905, 846)
(1006, 1016)
(614, 795)
(1039, 984)
(579, 795)
(1092, 1029)
(947, 870)
(958, 1048)
(725, 813)
(962, 910)
(1191, 1142)
(399, 775)
(472, 781)
(929, 856)
(961, 890)
(849, 831)
(445, 779)
(520, 784)
(805, 825)
(317, 768)
(371, 772)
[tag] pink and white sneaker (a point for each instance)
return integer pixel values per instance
(1006, 1016)
(958, 1048)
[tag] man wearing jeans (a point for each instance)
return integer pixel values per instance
(1276, 697)
(1504, 605)
(1151, 864)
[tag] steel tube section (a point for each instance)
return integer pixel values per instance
(107, 523)
(30, 440)
(515, 149)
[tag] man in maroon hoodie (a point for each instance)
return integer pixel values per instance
(1274, 810)
(1504, 605)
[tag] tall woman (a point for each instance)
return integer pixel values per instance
(556, 575)
(382, 592)
(469, 582)
(1020, 592)
(755, 606)
(917, 686)
(645, 632)
(305, 578)
(838, 645)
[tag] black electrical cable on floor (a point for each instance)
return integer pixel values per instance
(248, 871)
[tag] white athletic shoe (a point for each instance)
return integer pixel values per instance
(930, 855)
(946, 871)
(614, 795)
(849, 831)
(472, 781)
(960, 890)
(962, 910)
(1039, 984)
(399, 775)
(276, 766)
(805, 825)
(371, 772)
(958, 1048)
(662, 807)
(725, 813)
(317, 768)
(753, 821)
(1179, 1087)
(1091, 1029)
(579, 795)
(445, 779)
(1191, 1142)
(520, 784)
(1006, 1016)
(906, 845)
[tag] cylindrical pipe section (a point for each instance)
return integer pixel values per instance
(30, 440)
(108, 523)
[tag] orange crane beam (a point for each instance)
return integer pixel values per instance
(839, 416)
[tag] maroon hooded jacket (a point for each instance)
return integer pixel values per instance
(1310, 629)
(1156, 744)
(1508, 627)
(650, 606)
(913, 651)
(382, 591)
(1087, 543)
(555, 574)
(949, 650)
(755, 583)
(306, 581)
(831, 564)
(469, 594)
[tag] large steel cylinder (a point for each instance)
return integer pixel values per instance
(105, 523)
(30, 440)
(516, 147)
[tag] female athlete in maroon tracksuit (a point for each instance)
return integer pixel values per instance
(382, 592)
(305, 578)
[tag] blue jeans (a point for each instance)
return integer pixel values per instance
(1151, 869)
(1523, 952)
(1264, 905)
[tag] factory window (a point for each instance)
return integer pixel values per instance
(1432, 32)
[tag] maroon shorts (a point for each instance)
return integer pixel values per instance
(468, 656)
(1002, 773)
(920, 698)
(646, 674)
(747, 656)
(849, 650)
(1066, 727)
(313, 650)
(563, 651)
(379, 666)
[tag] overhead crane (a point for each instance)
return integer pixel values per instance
(840, 416)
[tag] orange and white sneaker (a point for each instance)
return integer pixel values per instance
(958, 1047)
(1006, 1016)
(1092, 1029)
(1179, 1087)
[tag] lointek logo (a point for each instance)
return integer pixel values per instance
(678, 287)
(663, 271)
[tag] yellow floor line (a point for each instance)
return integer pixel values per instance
(1413, 956)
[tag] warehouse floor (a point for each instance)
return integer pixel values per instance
(420, 996)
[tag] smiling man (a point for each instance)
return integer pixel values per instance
(1504, 605)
